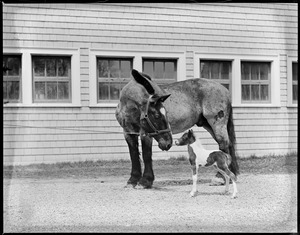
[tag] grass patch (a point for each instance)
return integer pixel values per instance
(173, 167)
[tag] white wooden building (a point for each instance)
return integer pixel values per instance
(69, 61)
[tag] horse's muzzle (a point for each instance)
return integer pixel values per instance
(165, 146)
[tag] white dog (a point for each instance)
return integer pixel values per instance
(198, 156)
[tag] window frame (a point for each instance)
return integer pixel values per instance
(48, 79)
(163, 81)
(138, 56)
(19, 79)
(258, 82)
(108, 79)
(236, 91)
(290, 61)
(27, 82)
(229, 81)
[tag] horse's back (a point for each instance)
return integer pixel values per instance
(199, 89)
(192, 98)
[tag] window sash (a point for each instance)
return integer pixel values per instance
(294, 82)
(164, 78)
(7, 78)
(249, 80)
(220, 80)
(109, 85)
(51, 80)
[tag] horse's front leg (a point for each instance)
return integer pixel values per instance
(148, 177)
(136, 173)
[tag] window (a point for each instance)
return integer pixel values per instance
(162, 71)
(113, 74)
(295, 82)
(255, 81)
(110, 71)
(51, 78)
(219, 71)
(12, 78)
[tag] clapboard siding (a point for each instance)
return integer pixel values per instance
(40, 134)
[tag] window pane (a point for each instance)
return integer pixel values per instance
(103, 91)
(295, 71)
(225, 70)
(103, 68)
(255, 92)
(125, 69)
(63, 66)
(40, 93)
(114, 68)
(13, 92)
(245, 92)
(245, 67)
(254, 71)
(215, 70)
(148, 68)
(170, 70)
(5, 84)
(13, 63)
(114, 91)
(63, 90)
(264, 71)
(204, 68)
(264, 92)
(295, 92)
(158, 69)
(39, 67)
(51, 90)
(50, 68)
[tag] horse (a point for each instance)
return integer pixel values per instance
(153, 112)
(199, 156)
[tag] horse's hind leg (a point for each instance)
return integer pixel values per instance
(132, 142)
(148, 176)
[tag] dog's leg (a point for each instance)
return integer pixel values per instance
(194, 167)
(226, 180)
(229, 175)
(233, 178)
(195, 178)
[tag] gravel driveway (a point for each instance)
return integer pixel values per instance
(265, 203)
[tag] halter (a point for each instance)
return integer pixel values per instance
(145, 116)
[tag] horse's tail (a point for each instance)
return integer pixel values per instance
(234, 167)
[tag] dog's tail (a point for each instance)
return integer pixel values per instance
(234, 167)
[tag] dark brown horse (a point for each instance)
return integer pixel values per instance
(149, 111)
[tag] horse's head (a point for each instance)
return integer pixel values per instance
(186, 138)
(153, 119)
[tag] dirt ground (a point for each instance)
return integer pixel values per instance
(265, 203)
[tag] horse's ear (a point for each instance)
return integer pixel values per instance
(191, 132)
(160, 98)
(143, 80)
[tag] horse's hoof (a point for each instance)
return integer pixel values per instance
(141, 186)
(130, 186)
(145, 184)
(192, 194)
(233, 196)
